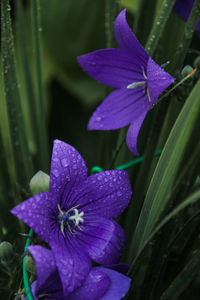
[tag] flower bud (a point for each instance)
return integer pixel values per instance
(39, 183)
(186, 70)
(6, 251)
(30, 264)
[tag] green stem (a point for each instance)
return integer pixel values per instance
(25, 273)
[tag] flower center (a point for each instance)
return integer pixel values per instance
(135, 85)
(69, 219)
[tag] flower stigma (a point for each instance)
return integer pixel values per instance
(66, 219)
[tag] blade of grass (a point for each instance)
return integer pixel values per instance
(22, 159)
(190, 200)
(159, 25)
(144, 19)
(25, 65)
(187, 36)
(159, 191)
(41, 115)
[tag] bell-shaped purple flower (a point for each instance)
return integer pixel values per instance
(183, 9)
(75, 216)
(101, 283)
(138, 81)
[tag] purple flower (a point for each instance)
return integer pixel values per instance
(75, 216)
(138, 81)
(101, 283)
(183, 9)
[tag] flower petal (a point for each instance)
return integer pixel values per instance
(119, 284)
(45, 263)
(102, 239)
(113, 67)
(67, 167)
(105, 194)
(72, 263)
(52, 288)
(158, 80)
(133, 132)
(94, 287)
(119, 109)
(127, 40)
(35, 212)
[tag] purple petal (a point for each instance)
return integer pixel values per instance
(45, 263)
(67, 167)
(52, 288)
(72, 263)
(35, 213)
(133, 131)
(94, 287)
(127, 40)
(113, 67)
(102, 239)
(158, 80)
(119, 109)
(119, 284)
(105, 194)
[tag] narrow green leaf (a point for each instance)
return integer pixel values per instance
(190, 200)
(159, 25)
(144, 19)
(159, 191)
(25, 66)
(188, 34)
(41, 115)
(23, 163)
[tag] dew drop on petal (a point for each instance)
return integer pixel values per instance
(98, 119)
(55, 172)
(64, 162)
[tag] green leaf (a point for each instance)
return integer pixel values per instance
(23, 163)
(160, 188)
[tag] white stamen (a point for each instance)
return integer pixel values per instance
(143, 72)
(135, 85)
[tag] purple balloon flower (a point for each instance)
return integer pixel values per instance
(137, 78)
(101, 283)
(75, 216)
(183, 9)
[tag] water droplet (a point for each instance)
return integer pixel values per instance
(64, 162)
(55, 172)
(98, 119)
